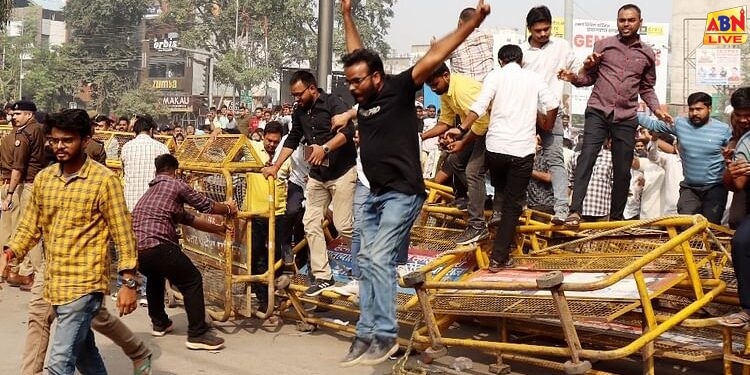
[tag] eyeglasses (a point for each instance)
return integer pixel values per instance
(357, 81)
(295, 95)
(66, 141)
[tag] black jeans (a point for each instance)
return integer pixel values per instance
(595, 131)
(293, 217)
(455, 166)
(167, 261)
(259, 226)
(510, 176)
(709, 201)
(741, 261)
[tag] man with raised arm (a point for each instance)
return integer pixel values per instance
(389, 149)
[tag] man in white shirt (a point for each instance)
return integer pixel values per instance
(546, 55)
(138, 168)
(515, 94)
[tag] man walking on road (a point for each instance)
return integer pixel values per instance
(77, 206)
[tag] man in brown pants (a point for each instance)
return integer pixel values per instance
(21, 158)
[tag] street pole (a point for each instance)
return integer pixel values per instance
(236, 40)
(567, 90)
(325, 43)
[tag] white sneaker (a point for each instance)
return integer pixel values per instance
(114, 297)
(402, 270)
(143, 302)
(352, 288)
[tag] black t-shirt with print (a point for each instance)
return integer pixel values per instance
(389, 144)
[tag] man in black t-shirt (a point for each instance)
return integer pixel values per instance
(389, 149)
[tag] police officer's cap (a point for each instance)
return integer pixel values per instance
(24, 105)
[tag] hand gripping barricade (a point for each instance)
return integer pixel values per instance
(224, 167)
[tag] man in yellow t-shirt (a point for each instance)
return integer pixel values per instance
(258, 203)
(457, 93)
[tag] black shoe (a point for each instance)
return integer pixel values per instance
(495, 219)
(161, 330)
(287, 255)
(380, 349)
(472, 234)
(206, 341)
(319, 286)
(498, 265)
(461, 203)
(356, 351)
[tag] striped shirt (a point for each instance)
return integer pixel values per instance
(599, 194)
(77, 217)
(138, 166)
(156, 216)
(474, 56)
(700, 147)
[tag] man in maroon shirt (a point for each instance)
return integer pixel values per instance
(621, 68)
(160, 257)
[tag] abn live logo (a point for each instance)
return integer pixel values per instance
(726, 27)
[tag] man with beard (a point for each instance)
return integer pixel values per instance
(389, 149)
(621, 68)
(701, 140)
(21, 158)
(77, 205)
(333, 173)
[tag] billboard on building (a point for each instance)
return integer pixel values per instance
(586, 32)
(718, 66)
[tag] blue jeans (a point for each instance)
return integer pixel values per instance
(386, 222)
(73, 345)
(552, 141)
(360, 196)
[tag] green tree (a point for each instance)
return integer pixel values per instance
(104, 47)
(269, 34)
(143, 99)
(6, 8)
(46, 80)
(14, 48)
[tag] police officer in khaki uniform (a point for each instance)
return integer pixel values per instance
(95, 149)
(21, 158)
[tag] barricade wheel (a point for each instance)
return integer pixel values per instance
(283, 282)
(433, 353)
(577, 368)
(306, 327)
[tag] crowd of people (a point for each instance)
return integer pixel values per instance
(501, 137)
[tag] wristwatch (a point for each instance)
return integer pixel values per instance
(326, 149)
(130, 283)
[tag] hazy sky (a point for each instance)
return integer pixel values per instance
(416, 21)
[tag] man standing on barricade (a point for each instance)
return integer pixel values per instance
(546, 55)
(333, 175)
(389, 149)
(22, 157)
(621, 68)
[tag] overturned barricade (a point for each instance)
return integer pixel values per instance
(428, 247)
(583, 282)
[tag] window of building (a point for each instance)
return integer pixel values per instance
(166, 69)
